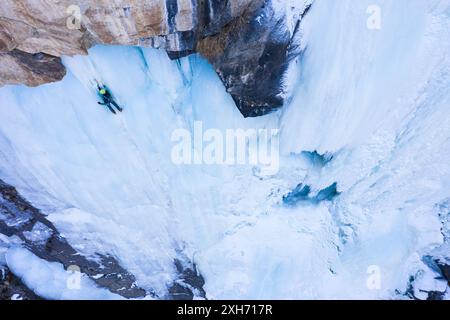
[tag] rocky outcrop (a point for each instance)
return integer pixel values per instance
(252, 53)
(20, 220)
(19, 67)
(249, 42)
(444, 266)
(12, 288)
(189, 283)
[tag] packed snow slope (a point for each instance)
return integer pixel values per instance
(375, 101)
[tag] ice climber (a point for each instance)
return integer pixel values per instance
(108, 100)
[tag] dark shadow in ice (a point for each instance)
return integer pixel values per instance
(302, 194)
(317, 159)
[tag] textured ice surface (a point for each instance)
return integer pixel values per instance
(377, 101)
(40, 233)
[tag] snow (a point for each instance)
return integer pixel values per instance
(375, 100)
(49, 279)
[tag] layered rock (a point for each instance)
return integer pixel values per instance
(249, 42)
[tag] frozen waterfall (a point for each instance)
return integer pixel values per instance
(374, 100)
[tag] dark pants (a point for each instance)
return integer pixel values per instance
(112, 102)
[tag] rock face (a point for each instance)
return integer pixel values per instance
(32, 69)
(249, 42)
(252, 53)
